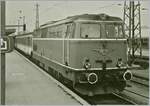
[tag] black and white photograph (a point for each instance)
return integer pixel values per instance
(74, 52)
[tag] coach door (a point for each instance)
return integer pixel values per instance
(66, 44)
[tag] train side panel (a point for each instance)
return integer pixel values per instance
(52, 49)
(50, 54)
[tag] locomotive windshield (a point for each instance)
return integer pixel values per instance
(113, 30)
(90, 30)
(101, 30)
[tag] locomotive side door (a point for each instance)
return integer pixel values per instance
(66, 44)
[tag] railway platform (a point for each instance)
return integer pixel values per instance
(27, 85)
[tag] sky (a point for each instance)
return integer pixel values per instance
(55, 10)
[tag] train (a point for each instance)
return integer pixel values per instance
(88, 52)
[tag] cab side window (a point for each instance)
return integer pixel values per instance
(69, 32)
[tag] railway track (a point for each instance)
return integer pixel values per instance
(137, 94)
(109, 99)
(140, 80)
(135, 97)
(125, 99)
(140, 77)
(95, 100)
(142, 61)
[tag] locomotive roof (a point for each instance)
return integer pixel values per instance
(24, 34)
(96, 17)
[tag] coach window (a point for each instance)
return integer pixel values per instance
(59, 31)
(90, 30)
(44, 33)
(69, 31)
(49, 32)
(59, 34)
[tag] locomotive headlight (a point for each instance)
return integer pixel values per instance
(92, 78)
(127, 75)
(119, 62)
(86, 63)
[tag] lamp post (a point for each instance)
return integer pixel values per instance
(3, 58)
(24, 25)
(18, 26)
(19, 18)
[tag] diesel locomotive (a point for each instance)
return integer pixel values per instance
(88, 52)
